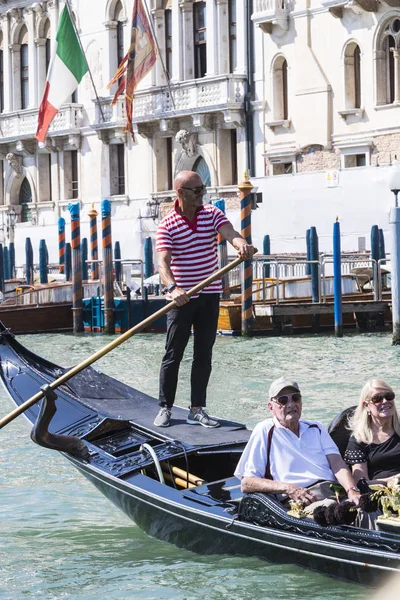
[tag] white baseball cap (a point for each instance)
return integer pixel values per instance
(279, 384)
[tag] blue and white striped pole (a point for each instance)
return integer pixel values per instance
(337, 280)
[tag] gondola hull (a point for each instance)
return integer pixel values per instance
(115, 423)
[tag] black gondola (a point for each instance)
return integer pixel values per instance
(177, 483)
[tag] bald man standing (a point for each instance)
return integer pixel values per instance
(187, 254)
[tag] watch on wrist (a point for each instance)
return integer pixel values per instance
(169, 288)
(353, 488)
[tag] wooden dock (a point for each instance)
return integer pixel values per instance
(304, 316)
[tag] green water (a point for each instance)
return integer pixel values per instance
(60, 539)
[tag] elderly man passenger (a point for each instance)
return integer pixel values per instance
(288, 455)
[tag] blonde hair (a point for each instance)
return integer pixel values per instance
(360, 422)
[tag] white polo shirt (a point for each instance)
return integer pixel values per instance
(300, 460)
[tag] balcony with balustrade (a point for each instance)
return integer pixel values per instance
(336, 7)
(270, 13)
(224, 94)
(20, 126)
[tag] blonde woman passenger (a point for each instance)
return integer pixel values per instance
(373, 451)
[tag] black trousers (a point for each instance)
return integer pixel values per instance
(202, 314)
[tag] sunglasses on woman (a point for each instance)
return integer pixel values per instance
(283, 400)
(378, 398)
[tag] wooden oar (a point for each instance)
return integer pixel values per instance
(117, 342)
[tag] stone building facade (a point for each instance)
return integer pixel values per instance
(289, 88)
(327, 84)
(196, 120)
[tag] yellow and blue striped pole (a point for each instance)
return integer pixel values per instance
(109, 325)
(77, 293)
(61, 244)
(245, 189)
(94, 253)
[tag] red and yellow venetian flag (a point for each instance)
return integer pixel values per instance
(138, 61)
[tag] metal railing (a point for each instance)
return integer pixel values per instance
(283, 268)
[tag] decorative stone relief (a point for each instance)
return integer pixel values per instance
(15, 161)
(188, 141)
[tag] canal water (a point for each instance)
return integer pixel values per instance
(61, 540)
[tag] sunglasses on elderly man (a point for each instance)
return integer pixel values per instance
(196, 190)
(283, 400)
(378, 398)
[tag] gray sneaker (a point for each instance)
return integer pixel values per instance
(163, 418)
(201, 418)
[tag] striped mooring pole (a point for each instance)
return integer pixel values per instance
(77, 293)
(61, 244)
(28, 261)
(247, 266)
(223, 253)
(337, 280)
(109, 326)
(94, 252)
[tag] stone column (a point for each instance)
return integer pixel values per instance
(111, 54)
(223, 37)
(177, 70)
(211, 38)
(241, 37)
(396, 75)
(53, 12)
(7, 89)
(16, 76)
(41, 72)
(187, 55)
(158, 75)
(29, 16)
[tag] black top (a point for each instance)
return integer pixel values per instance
(383, 459)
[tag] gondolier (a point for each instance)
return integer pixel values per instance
(187, 253)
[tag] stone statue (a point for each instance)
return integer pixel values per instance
(15, 161)
(188, 141)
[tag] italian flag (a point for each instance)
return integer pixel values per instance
(67, 67)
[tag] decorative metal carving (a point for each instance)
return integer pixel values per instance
(188, 141)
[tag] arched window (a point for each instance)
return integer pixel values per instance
(201, 167)
(352, 76)
(280, 89)
(387, 63)
(25, 198)
(24, 73)
(1, 74)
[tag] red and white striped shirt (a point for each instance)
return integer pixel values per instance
(193, 246)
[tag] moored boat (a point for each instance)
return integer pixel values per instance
(177, 483)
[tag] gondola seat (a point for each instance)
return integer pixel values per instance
(339, 429)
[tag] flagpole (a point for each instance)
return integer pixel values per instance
(159, 53)
(68, 5)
